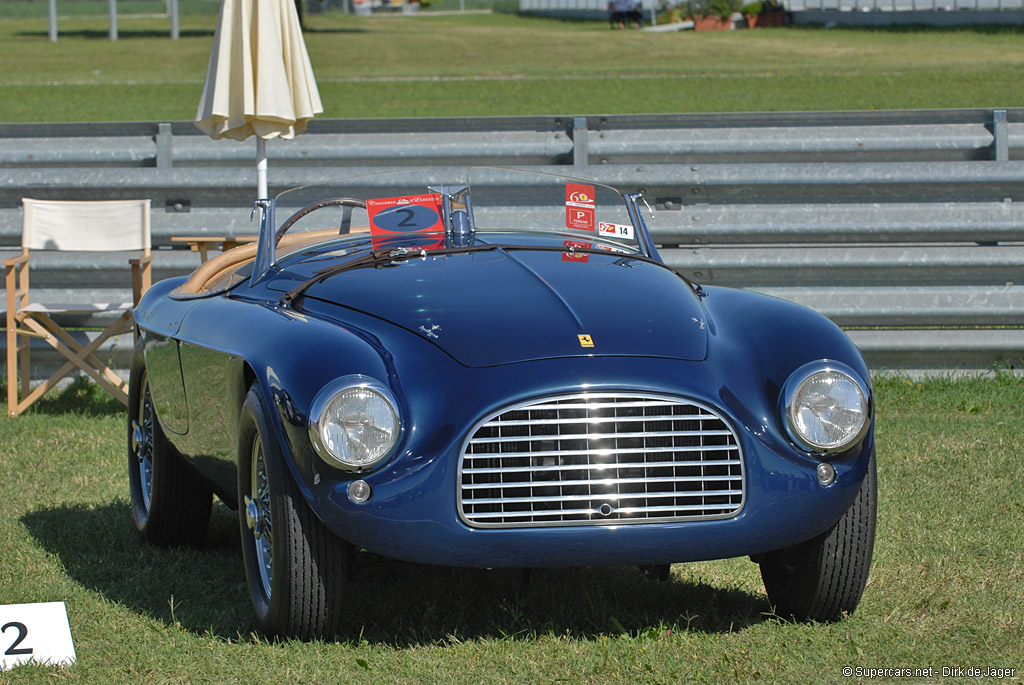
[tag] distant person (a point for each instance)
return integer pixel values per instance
(623, 12)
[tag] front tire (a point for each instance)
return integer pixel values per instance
(295, 568)
(823, 579)
(170, 504)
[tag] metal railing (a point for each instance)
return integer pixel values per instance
(907, 227)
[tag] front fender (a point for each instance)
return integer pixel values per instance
(227, 344)
(757, 342)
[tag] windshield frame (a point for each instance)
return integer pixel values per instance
(457, 214)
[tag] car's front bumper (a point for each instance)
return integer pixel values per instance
(413, 513)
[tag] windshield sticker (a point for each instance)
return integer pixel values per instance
(571, 255)
(579, 206)
(615, 230)
(408, 214)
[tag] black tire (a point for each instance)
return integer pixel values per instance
(170, 504)
(823, 579)
(295, 568)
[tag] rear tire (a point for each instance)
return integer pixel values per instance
(823, 579)
(295, 568)
(170, 503)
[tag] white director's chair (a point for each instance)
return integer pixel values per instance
(72, 226)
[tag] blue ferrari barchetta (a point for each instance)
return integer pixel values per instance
(497, 373)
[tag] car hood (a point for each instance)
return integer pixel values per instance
(502, 306)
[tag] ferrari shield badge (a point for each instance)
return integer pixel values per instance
(586, 340)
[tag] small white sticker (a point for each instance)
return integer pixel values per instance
(35, 632)
(615, 230)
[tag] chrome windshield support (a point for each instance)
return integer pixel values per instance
(458, 211)
(643, 234)
(462, 212)
(266, 250)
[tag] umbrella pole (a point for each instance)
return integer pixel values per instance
(261, 168)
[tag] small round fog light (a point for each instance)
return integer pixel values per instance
(359, 491)
(826, 475)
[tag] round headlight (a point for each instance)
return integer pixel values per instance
(354, 422)
(826, 408)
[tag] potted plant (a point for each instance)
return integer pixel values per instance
(752, 11)
(765, 13)
(717, 16)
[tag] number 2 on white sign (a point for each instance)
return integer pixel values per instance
(14, 649)
(36, 632)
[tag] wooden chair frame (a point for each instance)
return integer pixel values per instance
(26, 321)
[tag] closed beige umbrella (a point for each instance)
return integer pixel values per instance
(259, 81)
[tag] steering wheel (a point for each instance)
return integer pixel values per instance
(348, 202)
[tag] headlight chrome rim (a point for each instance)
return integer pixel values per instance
(319, 415)
(792, 389)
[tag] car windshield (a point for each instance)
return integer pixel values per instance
(424, 204)
(522, 201)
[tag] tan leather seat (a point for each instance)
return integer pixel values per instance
(221, 271)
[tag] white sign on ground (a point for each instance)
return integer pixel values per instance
(35, 632)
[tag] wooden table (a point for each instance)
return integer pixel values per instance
(203, 243)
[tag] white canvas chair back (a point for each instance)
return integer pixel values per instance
(73, 226)
(100, 226)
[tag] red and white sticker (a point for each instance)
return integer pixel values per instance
(579, 206)
(393, 216)
(571, 255)
(624, 232)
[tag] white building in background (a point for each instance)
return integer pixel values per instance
(846, 12)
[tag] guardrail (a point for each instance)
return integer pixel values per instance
(907, 227)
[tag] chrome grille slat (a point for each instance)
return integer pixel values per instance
(597, 436)
(595, 512)
(610, 419)
(600, 459)
(603, 482)
(586, 405)
(602, 467)
(610, 497)
(604, 451)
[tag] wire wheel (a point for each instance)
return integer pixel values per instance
(170, 503)
(296, 569)
(261, 523)
(142, 445)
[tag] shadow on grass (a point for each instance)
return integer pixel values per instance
(391, 603)
(98, 547)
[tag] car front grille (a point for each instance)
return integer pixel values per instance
(600, 459)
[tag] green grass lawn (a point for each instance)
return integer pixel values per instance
(944, 589)
(482, 65)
